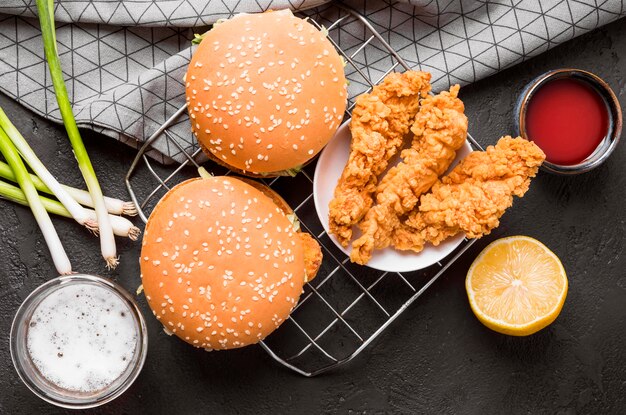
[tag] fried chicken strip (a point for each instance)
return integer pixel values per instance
(473, 197)
(380, 120)
(312, 255)
(439, 130)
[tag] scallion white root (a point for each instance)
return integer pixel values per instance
(107, 240)
(121, 226)
(114, 206)
(31, 197)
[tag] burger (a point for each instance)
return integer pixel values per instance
(223, 262)
(265, 93)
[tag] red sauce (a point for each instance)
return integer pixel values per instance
(568, 119)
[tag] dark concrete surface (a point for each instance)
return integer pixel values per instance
(437, 358)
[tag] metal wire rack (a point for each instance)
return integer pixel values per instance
(346, 307)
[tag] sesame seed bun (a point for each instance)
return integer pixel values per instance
(265, 92)
(222, 266)
(312, 249)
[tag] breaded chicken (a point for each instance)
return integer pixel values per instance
(439, 130)
(380, 121)
(473, 197)
(312, 255)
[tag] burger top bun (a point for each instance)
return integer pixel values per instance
(265, 92)
(221, 264)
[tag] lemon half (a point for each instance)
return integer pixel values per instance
(516, 286)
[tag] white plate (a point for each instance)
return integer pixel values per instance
(329, 168)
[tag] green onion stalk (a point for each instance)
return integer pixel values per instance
(107, 240)
(78, 212)
(114, 206)
(121, 226)
(59, 257)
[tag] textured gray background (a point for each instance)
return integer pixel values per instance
(437, 358)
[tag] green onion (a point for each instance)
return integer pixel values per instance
(78, 212)
(197, 38)
(107, 240)
(204, 173)
(114, 206)
(59, 257)
(121, 226)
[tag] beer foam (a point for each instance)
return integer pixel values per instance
(82, 337)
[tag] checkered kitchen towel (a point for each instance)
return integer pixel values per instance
(124, 60)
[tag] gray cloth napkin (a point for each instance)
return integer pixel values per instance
(124, 61)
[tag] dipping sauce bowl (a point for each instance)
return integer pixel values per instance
(78, 341)
(574, 116)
